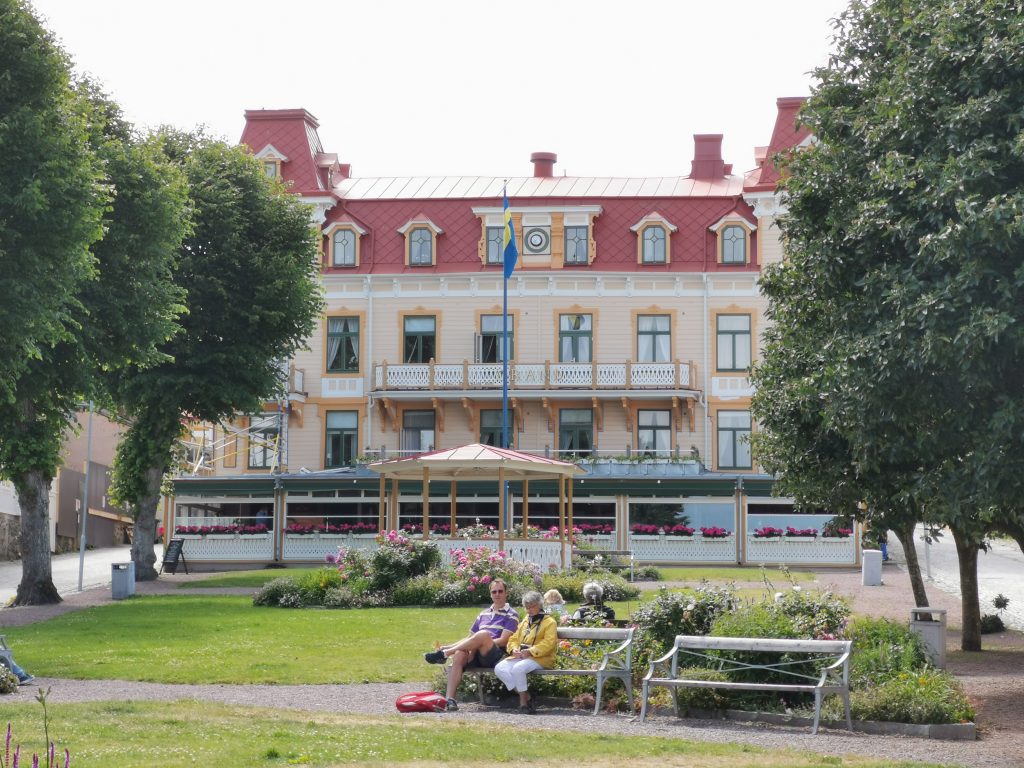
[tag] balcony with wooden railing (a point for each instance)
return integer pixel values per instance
(535, 376)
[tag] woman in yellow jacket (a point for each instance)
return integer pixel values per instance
(532, 646)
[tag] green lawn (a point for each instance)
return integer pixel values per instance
(735, 573)
(219, 639)
(194, 733)
(245, 578)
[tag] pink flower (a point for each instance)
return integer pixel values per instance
(474, 580)
(470, 588)
(485, 580)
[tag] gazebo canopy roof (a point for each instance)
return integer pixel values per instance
(475, 461)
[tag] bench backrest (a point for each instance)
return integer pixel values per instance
(766, 644)
(595, 633)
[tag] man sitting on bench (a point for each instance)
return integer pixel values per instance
(485, 645)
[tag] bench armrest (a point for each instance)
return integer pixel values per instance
(666, 663)
(618, 658)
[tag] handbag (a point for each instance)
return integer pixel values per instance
(421, 701)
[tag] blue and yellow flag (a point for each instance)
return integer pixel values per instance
(510, 254)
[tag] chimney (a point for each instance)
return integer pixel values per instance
(543, 164)
(707, 157)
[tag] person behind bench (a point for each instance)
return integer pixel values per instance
(485, 646)
(593, 607)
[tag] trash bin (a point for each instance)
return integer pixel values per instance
(122, 580)
(871, 568)
(930, 626)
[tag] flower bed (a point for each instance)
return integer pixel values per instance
(807, 533)
(344, 529)
(206, 530)
(768, 532)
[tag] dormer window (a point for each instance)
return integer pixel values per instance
(271, 158)
(421, 247)
(734, 245)
(654, 244)
(733, 239)
(420, 242)
(343, 244)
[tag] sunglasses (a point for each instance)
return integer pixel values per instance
(497, 591)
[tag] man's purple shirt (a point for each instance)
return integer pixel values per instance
(496, 622)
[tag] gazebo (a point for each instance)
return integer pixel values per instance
(476, 462)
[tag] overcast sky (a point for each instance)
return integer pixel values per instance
(463, 87)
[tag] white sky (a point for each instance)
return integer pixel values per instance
(462, 87)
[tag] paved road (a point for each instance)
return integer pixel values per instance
(96, 571)
(1000, 571)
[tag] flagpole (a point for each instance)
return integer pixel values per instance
(509, 255)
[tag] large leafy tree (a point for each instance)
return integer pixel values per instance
(898, 311)
(110, 325)
(250, 271)
(51, 198)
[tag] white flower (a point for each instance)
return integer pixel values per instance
(796, 588)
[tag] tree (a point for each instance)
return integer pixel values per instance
(904, 240)
(51, 199)
(111, 324)
(250, 268)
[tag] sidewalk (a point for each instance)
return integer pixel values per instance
(95, 573)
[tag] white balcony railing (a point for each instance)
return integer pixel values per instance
(463, 376)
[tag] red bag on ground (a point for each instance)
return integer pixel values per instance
(422, 701)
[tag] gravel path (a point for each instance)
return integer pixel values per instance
(994, 679)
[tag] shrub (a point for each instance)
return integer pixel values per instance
(347, 597)
(419, 590)
(702, 698)
(283, 593)
(312, 586)
(473, 568)
(675, 613)
(570, 584)
(8, 680)
(755, 620)
(990, 623)
(926, 696)
(398, 558)
(882, 649)
(815, 616)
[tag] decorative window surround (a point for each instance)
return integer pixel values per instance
(337, 254)
(654, 219)
(271, 157)
(726, 228)
(413, 229)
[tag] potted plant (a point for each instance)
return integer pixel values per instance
(768, 532)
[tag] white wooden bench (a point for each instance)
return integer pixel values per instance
(670, 670)
(616, 664)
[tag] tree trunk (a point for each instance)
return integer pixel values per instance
(36, 587)
(905, 534)
(967, 554)
(143, 554)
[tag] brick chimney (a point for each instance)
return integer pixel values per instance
(543, 164)
(707, 157)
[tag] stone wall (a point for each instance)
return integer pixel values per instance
(10, 533)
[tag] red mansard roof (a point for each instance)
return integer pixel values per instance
(382, 205)
(788, 133)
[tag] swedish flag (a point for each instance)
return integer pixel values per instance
(510, 254)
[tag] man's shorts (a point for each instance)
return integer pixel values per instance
(489, 659)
